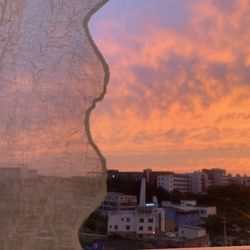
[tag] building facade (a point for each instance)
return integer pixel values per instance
(142, 222)
(238, 179)
(180, 217)
(184, 214)
(172, 181)
(213, 177)
(19, 171)
(117, 201)
(191, 232)
(115, 175)
(195, 182)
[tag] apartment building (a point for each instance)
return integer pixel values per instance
(195, 182)
(142, 222)
(213, 177)
(238, 179)
(114, 200)
(115, 175)
(19, 171)
(172, 181)
(179, 217)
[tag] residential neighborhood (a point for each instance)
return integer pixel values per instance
(158, 223)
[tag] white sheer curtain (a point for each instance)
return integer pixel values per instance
(51, 173)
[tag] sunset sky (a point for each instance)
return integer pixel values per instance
(179, 92)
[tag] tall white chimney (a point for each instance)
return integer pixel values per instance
(143, 193)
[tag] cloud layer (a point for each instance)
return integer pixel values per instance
(179, 93)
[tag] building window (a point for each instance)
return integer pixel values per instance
(127, 227)
(116, 227)
(110, 226)
(122, 219)
(141, 220)
(140, 228)
(150, 228)
(128, 219)
(150, 220)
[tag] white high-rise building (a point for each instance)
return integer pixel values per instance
(195, 182)
(180, 182)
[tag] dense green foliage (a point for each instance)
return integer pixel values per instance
(95, 224)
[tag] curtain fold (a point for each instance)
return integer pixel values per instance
(52, 175)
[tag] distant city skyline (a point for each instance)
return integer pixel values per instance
(179, 91)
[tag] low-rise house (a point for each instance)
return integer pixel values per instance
(185, 237)
(180, 217)
(191, 232)
(203, 211)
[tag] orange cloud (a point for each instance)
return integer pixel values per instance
(178, 94)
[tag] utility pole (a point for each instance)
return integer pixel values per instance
(225, 230)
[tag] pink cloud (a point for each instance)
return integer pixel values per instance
(177, 91)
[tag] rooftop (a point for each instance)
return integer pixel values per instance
(192, 227)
